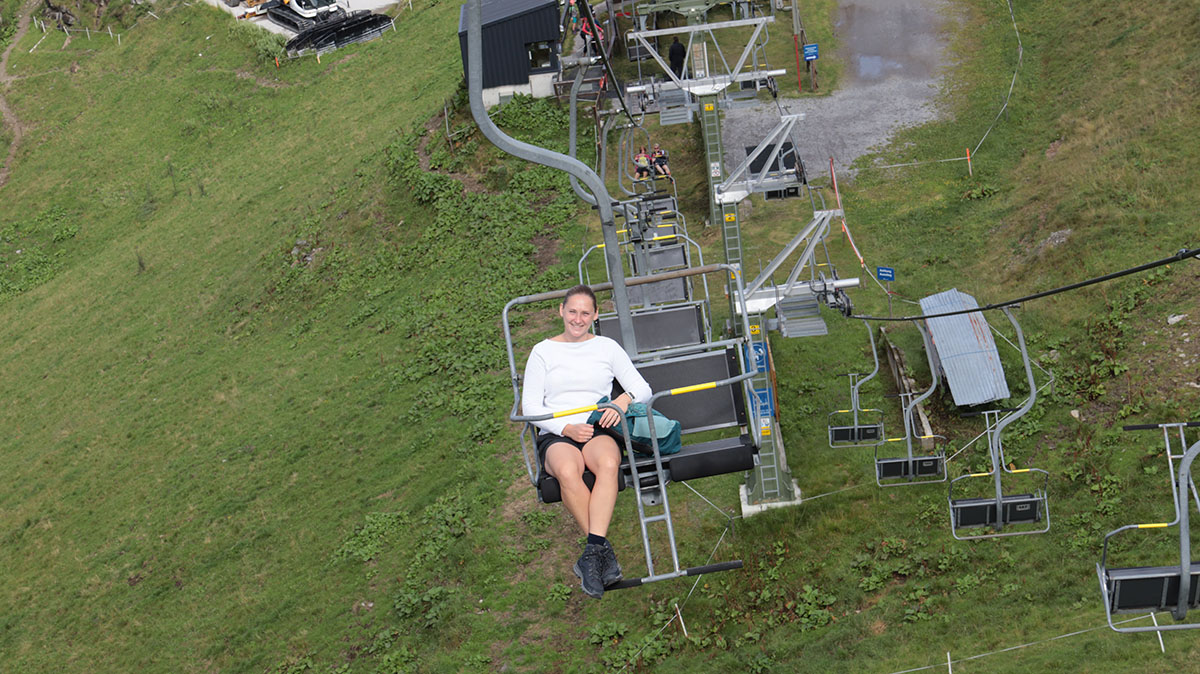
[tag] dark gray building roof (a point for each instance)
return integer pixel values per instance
(495, 11)
(964, 348)
(509, 28)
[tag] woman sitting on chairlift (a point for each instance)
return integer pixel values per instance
(571, 370)
(659, 157)
(641, 161)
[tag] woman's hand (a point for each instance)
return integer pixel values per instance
(579, 432)
(610, 417)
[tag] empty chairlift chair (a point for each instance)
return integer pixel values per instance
(858, 426)
(1000, 510)
(910, 469)
(701, 385)
(1151, 589)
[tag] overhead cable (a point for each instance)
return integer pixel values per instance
(1178, 257)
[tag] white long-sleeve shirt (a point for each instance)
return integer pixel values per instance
(565, 375)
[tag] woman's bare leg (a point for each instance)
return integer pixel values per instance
(565, 463)
(603, 458)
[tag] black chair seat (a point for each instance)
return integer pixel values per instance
(705, 459)
(903, 467)
(865, 433)
(981, 512)
(1149, 588)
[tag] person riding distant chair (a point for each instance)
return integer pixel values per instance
(659, 158)
(568, 371)
(642, 162)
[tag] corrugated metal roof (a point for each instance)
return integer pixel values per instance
(509, 27)
(965, 350)
(493, 11)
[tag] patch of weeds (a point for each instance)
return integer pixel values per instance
(403, 660)
(917, 605)
(478, 661)
(607, 633)
(979, 192)
(968, 582)
(368, 540)
(427, 607)
(951, 559)
(295, 665)
(265, 45)
(559, 592)
(539, 520)
(761, 663)
(811, 607)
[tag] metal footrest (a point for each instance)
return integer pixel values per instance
(693, 571)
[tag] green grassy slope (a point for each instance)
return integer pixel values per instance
(254, 385)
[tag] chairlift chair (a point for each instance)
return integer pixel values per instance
(894, 471)
(1151, 589)
(1002, 509)
(719, 402)
(865, 427)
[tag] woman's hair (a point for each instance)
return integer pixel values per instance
(582, 290)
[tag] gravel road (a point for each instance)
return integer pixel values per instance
(894, 55)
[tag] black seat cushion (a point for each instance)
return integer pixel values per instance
(705, 459)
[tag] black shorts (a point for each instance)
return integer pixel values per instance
(544, 440)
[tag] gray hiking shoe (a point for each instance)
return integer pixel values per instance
(590, 568)
(612, 569)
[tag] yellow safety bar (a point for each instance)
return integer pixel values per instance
(980, 474)
(694, 387)
(657, 238)
(577, 410)
(1158, 525)
(1021, 470)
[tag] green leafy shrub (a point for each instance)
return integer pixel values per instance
(267, 46)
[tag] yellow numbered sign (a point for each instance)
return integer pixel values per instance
(754, 329)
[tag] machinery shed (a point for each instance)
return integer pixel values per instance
(964, 349)
(520, 47)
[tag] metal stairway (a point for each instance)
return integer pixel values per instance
(674, 108)
(800, 316)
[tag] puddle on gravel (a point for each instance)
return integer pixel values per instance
(885, 38)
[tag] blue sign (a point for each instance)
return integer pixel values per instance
(757, 357)
(766, 402)
(810, 52)
(885, 273)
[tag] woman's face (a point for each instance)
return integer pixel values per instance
(578, 314)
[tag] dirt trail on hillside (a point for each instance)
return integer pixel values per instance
(11, 122)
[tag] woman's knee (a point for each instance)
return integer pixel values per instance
(602, 456)
(565, 463)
